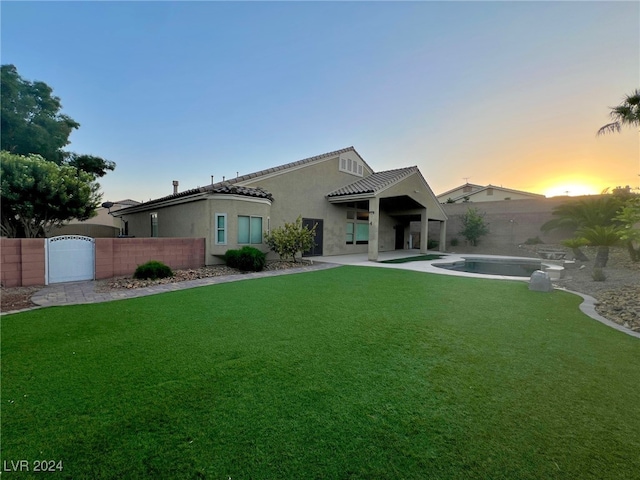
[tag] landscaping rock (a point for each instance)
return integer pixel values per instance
(540, 282)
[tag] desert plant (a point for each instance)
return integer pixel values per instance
(152, 270)
(602, 237)
(290, 239)
(473, 226)
(575, 244)
(598, 275)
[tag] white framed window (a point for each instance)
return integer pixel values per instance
(249, 230)
(221, 228)
(154, 224)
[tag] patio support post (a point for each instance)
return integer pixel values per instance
(424, 231)
(374, 225)
(442, 246)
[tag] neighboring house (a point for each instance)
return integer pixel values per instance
(470, 192)
(356, 210)
(104, 224)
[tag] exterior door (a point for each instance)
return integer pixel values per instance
(399, 237)
(317, 249)
(70, 258)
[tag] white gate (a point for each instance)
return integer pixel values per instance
(70, 258)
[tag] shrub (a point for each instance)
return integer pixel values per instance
(231, 258)
(473, 226)
(291, 238)
(247, 259)
(152, 270)
(454, 242)
(431, 244)
(533, 241)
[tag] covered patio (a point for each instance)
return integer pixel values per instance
(394, 199)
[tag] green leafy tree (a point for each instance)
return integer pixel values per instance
(473, 226)
(37, 195)
(291, 239)
(625, 114)
(629, 218)
(32, 123)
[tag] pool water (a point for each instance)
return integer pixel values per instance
(506, 267)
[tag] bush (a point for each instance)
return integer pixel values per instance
(247, 259)
(152, 270)
(431, 244)
(231, 258)
(473, 226)
(533, 241)
(291, 238)
(454, 242)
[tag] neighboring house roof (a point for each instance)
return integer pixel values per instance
(474, 187)
(478, 189)
(127, 202)
(374, 183)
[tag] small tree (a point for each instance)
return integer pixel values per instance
(473, 226)
(290, 239)
(629, 218)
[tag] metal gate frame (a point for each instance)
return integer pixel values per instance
(47, 263)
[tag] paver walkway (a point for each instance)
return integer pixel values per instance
(84, 292)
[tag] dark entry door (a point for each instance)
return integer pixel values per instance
(399, 237)
(316, 250)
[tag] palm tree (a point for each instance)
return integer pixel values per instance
(627, 113)
(585, 212)
(602, 237)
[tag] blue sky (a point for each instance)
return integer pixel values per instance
(508, 93)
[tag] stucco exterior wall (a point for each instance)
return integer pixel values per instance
(303, 191)
(511, 222)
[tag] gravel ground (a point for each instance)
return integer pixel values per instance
(618, 295)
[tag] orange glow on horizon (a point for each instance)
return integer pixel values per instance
(571, 190)
(572, 186)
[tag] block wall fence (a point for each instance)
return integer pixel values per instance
(22, 260)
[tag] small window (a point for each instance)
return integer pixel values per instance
(221, 229)
(249, 229)
(154, 224)
(489, 191)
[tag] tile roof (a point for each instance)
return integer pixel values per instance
(374, 183)
(286, 166)
(227, 188)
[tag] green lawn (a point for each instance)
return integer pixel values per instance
(351, 372)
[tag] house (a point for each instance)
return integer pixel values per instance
(104, 224)
(470, 192)
(356, 210)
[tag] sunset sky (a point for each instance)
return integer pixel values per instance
(507, 93)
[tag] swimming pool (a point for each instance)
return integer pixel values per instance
(509, 267)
